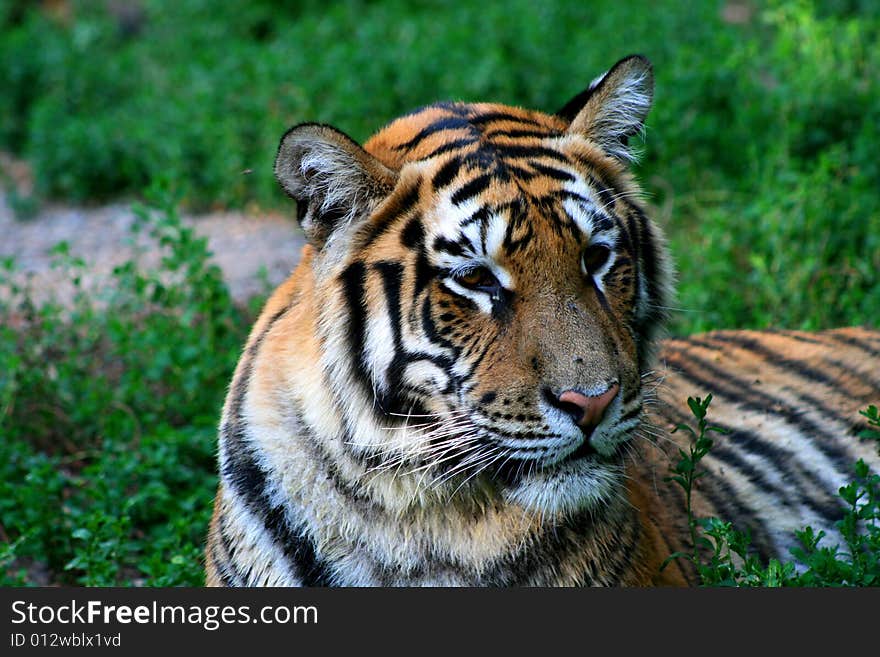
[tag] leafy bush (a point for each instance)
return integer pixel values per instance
(108, 411)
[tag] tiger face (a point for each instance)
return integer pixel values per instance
(488, 291)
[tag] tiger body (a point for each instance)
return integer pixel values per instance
(789, 404)
(453, 387)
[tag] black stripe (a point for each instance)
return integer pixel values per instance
(846, 370)
(223, 569)
(448, 246)
(608, 192)
(606, 195)
(354, 495)
(530, 151)
(449, 147)
(251, 482)
(603, 301)
(600, 221)
(723, 498)
(471, 188)
(735, 460)
(405, 201)
(633, 235)
(392, 399)
(567, 194)
(430, 329)
(871, 349)
(425, 272)
(446, 173)
(395, 399)
(649, 255)
(630, 414)
(300, 550)
(560, 220)
(795, 335)
(512, 245)
(488, 117)
(484, 229)
(634, 245)
(520, 134)
(462, 303)
(552, 172)
(244, 475)
(353, 281)
(413, 234)
(829, 507)
(521, 173)
(481, 215)
(727, 506)
(441, 125)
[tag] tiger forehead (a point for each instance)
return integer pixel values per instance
(494, 179)
(514, 205)
(504, 158)
(516, 222)
(445, 127)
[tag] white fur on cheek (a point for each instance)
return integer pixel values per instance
(379, 343)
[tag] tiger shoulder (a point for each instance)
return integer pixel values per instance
(461, 384)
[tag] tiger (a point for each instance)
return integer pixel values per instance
(465, 381)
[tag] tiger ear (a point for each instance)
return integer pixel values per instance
(613, 108)
(333, 180)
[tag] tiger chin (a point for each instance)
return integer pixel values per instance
(450, 389)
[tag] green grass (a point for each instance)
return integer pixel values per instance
(760, 162)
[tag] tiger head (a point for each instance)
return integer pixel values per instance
(488, 288)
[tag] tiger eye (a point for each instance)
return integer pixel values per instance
(594, 257)
(478, 278)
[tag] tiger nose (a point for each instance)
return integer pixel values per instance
(587, 411)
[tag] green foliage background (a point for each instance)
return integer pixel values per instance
(760, 163)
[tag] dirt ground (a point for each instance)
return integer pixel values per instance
(241, 244)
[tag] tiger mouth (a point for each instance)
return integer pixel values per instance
(511, 462)
(584, 450)
(587, 450)
(543, 460)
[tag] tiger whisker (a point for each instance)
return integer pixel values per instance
(482, 468)
(446, 455)
(478, 460)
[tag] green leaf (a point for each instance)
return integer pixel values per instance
(696, 407)
(81, 533)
